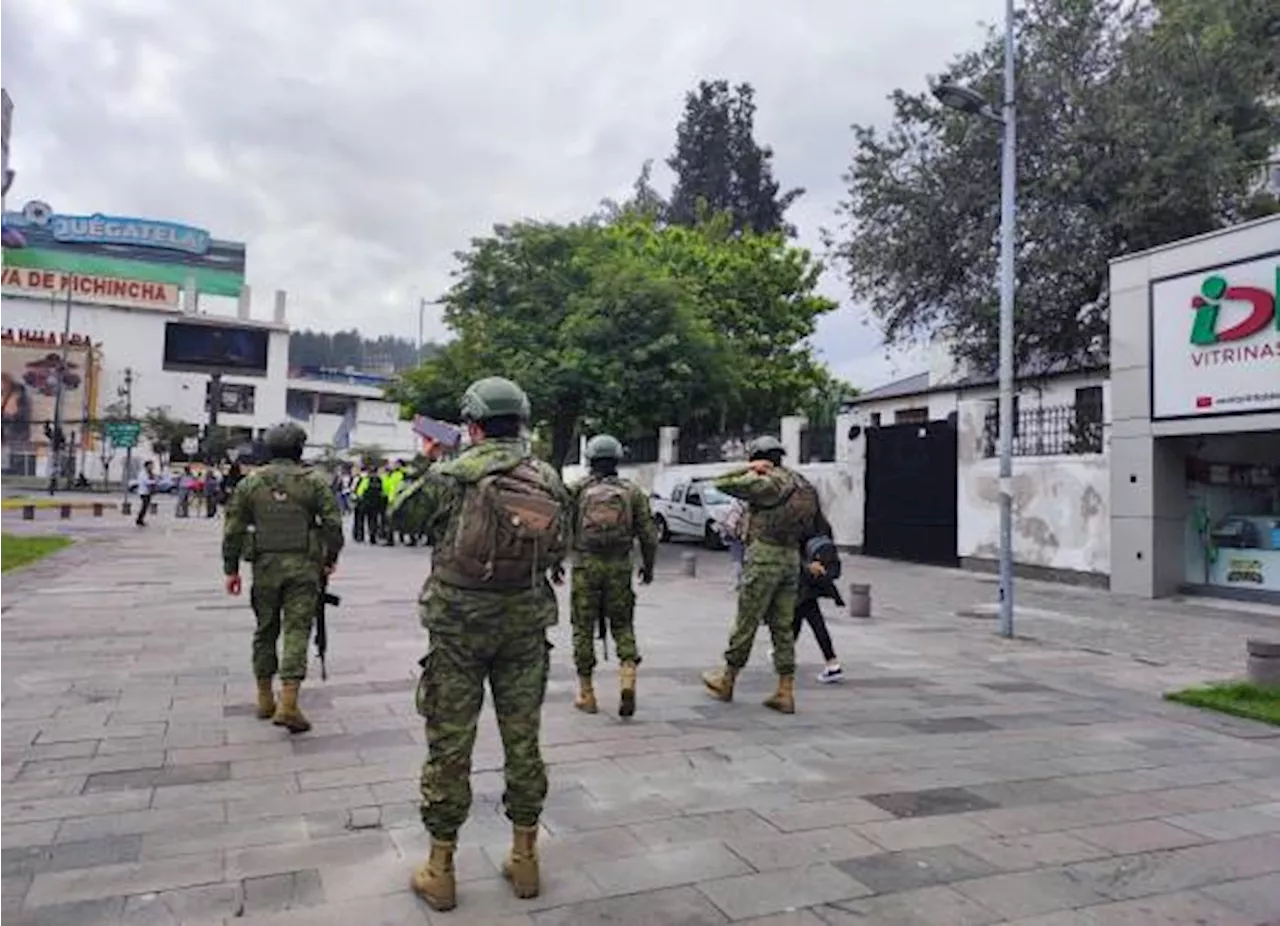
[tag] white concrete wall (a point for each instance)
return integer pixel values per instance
(1061, 504)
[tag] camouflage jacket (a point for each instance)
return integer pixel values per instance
(240, 517)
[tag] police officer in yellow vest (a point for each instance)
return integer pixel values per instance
(392, 480)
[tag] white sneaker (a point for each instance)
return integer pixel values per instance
(831, 674)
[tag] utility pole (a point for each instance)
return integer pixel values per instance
(422, 309)
(127, 392)
(57, 440)
(215, 403)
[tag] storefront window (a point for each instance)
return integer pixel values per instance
(1233, 530)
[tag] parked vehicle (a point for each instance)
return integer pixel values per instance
(690, 510)
(164, 482)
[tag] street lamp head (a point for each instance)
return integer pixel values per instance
(961, 98)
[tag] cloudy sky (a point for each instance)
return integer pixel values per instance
(356, 146)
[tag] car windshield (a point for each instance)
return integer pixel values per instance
(713, 496)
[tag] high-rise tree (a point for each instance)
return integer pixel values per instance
(719, 165)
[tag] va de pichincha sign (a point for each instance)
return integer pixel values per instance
(1215, 341)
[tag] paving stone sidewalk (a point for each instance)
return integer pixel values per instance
(954, 779)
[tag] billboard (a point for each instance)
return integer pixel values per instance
(195, 347)
(144, 250)
(31, 368)
(55, 284)
(1215, 341)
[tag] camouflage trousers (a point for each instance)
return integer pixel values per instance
(767, 594)
(449, 697)
(285, 605)
(601, 587)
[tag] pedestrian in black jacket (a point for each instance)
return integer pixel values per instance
(819, 569)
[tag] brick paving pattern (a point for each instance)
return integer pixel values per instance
(954, 779)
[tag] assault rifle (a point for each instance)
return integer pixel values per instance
(327, 598)
(604, 635)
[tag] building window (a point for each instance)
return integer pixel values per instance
(234, 398)
(911, 416)
(1087, 427)
(875, 419)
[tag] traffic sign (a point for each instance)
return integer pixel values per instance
(123, 433)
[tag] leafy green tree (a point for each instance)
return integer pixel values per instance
(1135, 128)
(113, 412)
(164, 432)
(630, 326)
(720, 167)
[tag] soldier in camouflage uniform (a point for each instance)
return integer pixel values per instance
(783, 512)
(282, 518)
(497, 521)
(609, 515)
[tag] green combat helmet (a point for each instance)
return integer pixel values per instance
(285, 442)
(763, 445)
(494, 397)
(604, 447)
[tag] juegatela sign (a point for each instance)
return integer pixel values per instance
(1215, 341)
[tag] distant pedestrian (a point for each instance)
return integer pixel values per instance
(186, 486)
(146, 488)
(212, 490)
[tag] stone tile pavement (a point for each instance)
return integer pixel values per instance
(952, 779)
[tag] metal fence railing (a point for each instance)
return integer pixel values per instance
(1053, 430)
(699, 446)
(818, 444)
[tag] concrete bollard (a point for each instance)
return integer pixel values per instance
(155, 508)
(97, 509)
(64, 512)
(690, 563)
(859, 600)
(28, 512)
(1264, 663)
(126, 507)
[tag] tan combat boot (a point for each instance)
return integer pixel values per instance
(627, 682)
(784, 699)
(521, 865)
(434, 880)
(266, 699)
(585, 700)
(720, 683)
(287, 714)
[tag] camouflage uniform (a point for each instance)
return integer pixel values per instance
(778, 520)
(601, 588)
(474, 635)
(288, 564)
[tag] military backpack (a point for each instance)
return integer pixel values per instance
(510, 531)
(605, 521)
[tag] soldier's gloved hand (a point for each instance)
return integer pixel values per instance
(646, 575)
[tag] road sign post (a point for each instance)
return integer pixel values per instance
(124, 434)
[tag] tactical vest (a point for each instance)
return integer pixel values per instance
(790, 521)
(283, 512)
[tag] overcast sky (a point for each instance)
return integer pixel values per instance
(356, 146)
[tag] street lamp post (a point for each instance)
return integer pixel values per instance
(968, 101)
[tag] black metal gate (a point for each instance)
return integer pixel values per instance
(910, 510)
